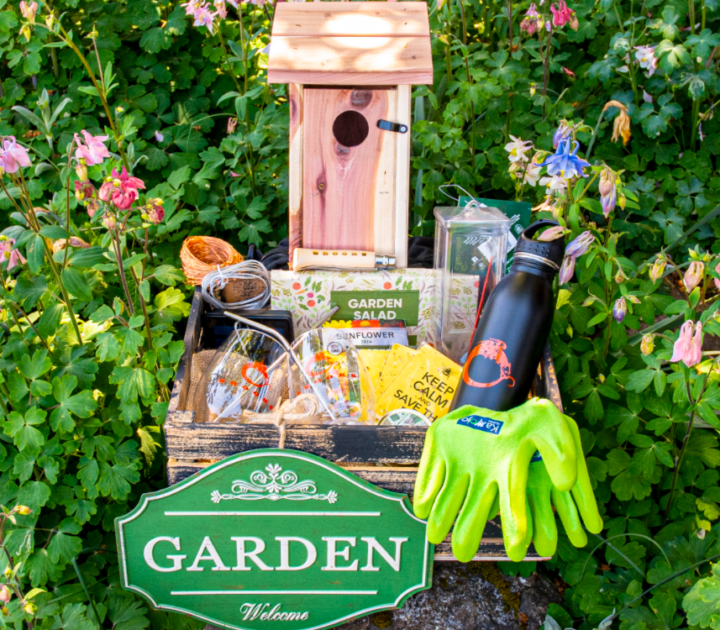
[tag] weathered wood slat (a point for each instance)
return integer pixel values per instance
(351, 19)
(342, 444)
(399, 480)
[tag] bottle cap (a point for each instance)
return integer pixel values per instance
(551, 251)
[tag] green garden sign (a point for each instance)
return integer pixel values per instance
(274, 539)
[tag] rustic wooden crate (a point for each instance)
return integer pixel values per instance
(385, 456)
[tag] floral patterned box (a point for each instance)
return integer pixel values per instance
(408, 294)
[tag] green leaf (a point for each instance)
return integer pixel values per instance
(49, 321)
(65, 545)
(22, 429)
(29, 290)
(133, 382)
(671, 55)
(168, 275)
(34, 494)
(640, 381)
(75, 617)
(179, 177)
(171, 306)
(76, 283)
(128, 614)
(115, 480)
(82, 404)
(35, 367)
(702, 602)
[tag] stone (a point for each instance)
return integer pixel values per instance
(473, 596)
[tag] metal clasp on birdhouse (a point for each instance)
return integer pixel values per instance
(386, 125)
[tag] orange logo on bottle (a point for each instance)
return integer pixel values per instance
(490, 349)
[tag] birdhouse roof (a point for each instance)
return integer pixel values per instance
(351, 43)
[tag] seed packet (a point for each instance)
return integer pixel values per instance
(426, 383)
(397, 359)
(374, 361)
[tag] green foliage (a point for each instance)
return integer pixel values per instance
(191, 114)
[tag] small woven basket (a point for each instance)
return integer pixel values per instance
(202, 254)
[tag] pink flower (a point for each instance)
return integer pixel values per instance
(567, 71)
(94, 151)
(688, 347)
(13, 256)
(231, 125)
(92, 206)
(530, 22)
(220, 8)
(109, 220)
(5, 594)
(124, 190)
(567, 269)
(694, 275)
(562, 15)
(12, 155)
(29, 11)
(553, 233)
(620, 310)
(84, 190)
(105, 191)
(715, 280)
(608, 191)
(155, 211)
(205, 17)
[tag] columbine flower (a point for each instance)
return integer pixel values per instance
(694, 275)
(158, 136)
(553, 233)
(563, 132)
(29, 608)
(29, 11)
(192, 6)
(94, 151)
(13, 256)
(517, 149)
(220, 8)
(84, 190)
(567, 269)
(562, 15)
(231, 125)
(12, 155)
(109, 220)
(647, 59)
(205, 17)
(5, 594)
(715, 280)
(658, 268)
(155, 211)
(608, 191)
(555, 184)
(621, 124)
(92, 206)
(647, 345)
(620, 309)
(688, 347)
(646, 97)
(580, 244)
(81, 171)
(123, 189)
(531, 21)
(565, 162)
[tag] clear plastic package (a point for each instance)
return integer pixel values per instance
(470, 255)
(331, 361)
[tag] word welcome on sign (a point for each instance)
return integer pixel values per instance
(274, 537)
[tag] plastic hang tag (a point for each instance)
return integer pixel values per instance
(247, 373)
(331, 361)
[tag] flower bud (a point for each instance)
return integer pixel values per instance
(29, 608)
(620, 309)
(533, 89)
(231, 125)
(647, 345)
(155, 211)
(620, 276)
(5, 594)
(109, 220)
(633, 298)
(81, 170)
(694, 275)
(22, 509)
(658, 268)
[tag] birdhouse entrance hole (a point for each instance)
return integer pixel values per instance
(350, 128)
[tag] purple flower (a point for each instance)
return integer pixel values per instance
(12, 155)
(567, 269)
(608, 191)
(562, 133)
(565, 162)
(158, 136)
(580, 244)
(620, 309)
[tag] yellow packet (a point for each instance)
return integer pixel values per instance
(397, 358)
(426, 384)
(374, 361)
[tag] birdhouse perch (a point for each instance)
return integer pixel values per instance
(350, 67)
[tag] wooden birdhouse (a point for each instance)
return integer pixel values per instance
(350, 67)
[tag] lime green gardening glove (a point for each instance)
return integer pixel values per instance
(570, 506)
(573, 508)
(473, 454)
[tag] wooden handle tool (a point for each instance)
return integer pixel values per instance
(339, 259)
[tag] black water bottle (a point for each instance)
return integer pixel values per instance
(512, 332)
